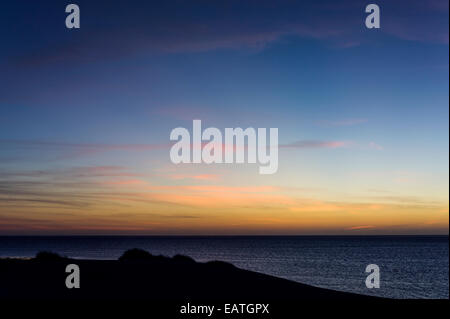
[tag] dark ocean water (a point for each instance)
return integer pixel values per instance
(410, 266)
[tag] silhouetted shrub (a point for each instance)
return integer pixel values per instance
(136, 254)
(221, 264)
(183, 259)
(47, 256)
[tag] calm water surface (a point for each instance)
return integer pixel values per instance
(411, 266)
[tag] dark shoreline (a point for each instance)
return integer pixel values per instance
(155, 278)
(159, 287)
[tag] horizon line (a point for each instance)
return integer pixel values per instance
(230, 235)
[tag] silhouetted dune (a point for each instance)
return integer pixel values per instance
(48, 256)
(140, 275)
(136, 254)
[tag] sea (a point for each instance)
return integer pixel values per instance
(410, 266)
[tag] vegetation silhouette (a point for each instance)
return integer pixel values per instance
(136, 254)
(138, 274)
(48, 256)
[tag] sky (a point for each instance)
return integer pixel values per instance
(86, 115)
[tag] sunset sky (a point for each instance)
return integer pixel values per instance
(85, 117)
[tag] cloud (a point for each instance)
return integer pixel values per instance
(185, 113)
(433, 16)
(317, 144)
(344, 122)
(63, 150)
(128, 182)
(171, 34)
(199, 26)
(318, 206)
(95, 199)
(69, 174)
(202, 177)
(375, 146)
(407, 200)
(75, 187)
(107, 186)
(361, 227)
(234, 189)
(219, 200)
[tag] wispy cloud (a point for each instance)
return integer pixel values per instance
(62, 150)
(361, 227)
(403, 24)
(317, 144)
(199, 177)
(126, 183)
(69, 174)
(344, 122)
(182, 35)
(375, 146)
